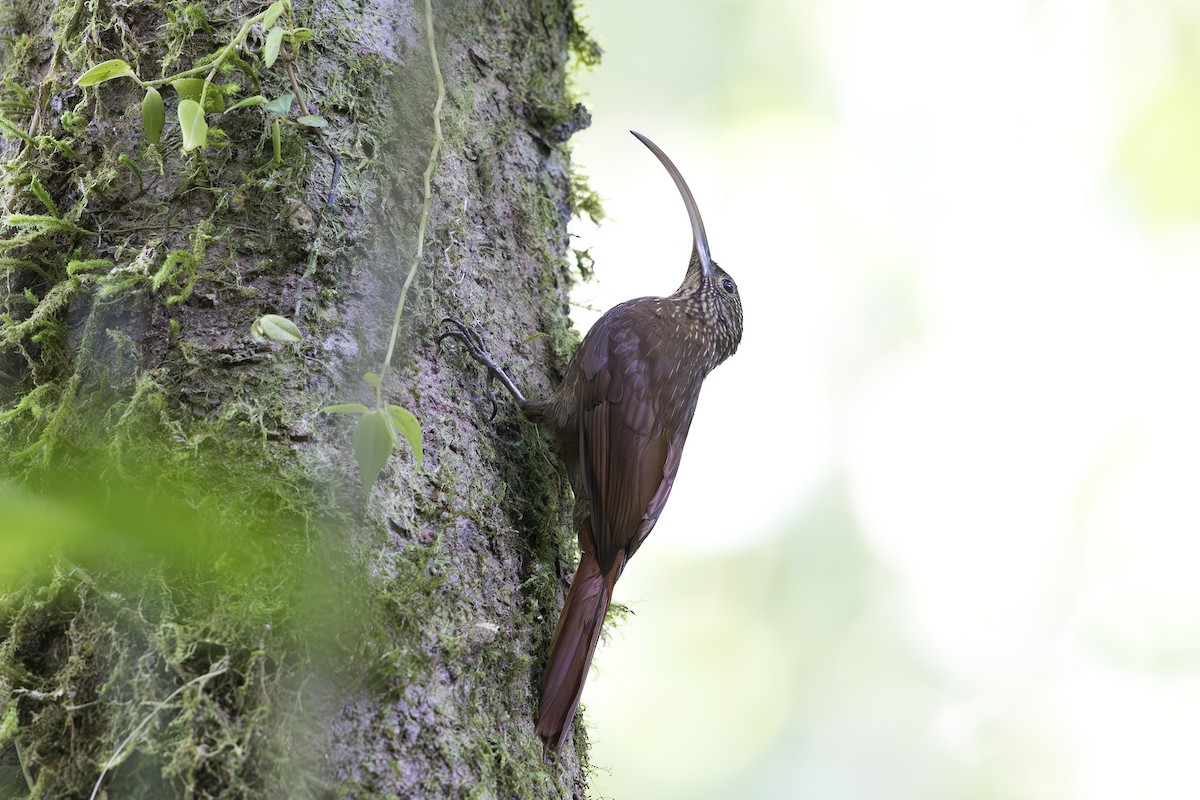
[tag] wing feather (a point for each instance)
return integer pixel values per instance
(629, 444)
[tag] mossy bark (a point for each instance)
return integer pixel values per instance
(201, 598)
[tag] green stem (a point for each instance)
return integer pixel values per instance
(216, 64)
(433, 153)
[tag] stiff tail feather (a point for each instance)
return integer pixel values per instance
(572, 648)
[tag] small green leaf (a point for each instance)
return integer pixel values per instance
(247, 102)
(312, 121)
(300, 35)
(154, 114)
(345, 408)
(408, 427)
(373, 443)
(193, 89)
(282, 104)
(275, 143)
(373, 379)
(188, 88)
(106, 71)
(191, 120)
(271, 48)
(275, 328)
(272, 14)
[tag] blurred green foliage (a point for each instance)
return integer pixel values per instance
(1160, 155)
(128, 572)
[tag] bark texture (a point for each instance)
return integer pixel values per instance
(202, 599)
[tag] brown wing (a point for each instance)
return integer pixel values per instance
(629, 440)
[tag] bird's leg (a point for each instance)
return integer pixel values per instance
(474, 343)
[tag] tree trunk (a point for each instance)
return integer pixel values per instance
(204, 589)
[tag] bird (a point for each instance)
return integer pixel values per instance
(620, 418)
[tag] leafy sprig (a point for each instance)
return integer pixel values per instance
(201, 97)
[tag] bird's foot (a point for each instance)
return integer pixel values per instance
(478, 351)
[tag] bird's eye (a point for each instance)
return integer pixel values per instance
(727, 285)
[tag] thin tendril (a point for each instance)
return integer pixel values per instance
(437, 144)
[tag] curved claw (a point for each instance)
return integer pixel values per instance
(467, 335)
(473, 341)
(491, 395)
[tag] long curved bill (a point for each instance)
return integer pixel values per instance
(699, 239)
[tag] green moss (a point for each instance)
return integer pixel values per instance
(171, 561)
(584, 199)
(177, 543)
(219, 550)
(585, 49)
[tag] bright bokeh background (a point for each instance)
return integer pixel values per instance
(937, 532)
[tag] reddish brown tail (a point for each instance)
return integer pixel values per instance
(571, 649)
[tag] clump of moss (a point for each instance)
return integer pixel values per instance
(158, 565)
(583, 46)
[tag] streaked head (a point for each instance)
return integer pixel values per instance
(714, 289)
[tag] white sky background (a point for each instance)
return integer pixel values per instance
(954, 308)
